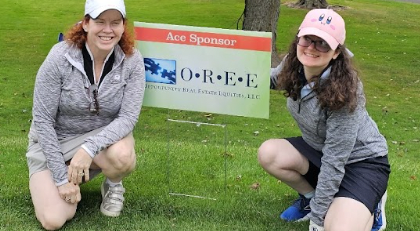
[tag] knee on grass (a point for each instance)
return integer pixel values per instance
(53, 220)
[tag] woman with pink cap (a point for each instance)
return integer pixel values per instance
(339, 164)
(87, 100)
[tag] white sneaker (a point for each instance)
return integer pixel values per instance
(379, 219)
(112, 199)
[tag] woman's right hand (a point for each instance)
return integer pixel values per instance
(70, 192)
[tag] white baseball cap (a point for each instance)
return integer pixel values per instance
(94, 8)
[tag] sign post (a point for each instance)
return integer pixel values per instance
(205, 70)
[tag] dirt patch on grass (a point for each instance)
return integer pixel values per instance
(334, 7)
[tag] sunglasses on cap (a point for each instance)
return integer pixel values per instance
(320, 45)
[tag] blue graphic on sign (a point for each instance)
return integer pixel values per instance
(160, 70)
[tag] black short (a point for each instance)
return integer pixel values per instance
(365, 181)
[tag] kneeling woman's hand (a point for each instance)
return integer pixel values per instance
(70, 192)
(79, 167)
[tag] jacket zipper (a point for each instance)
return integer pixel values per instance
(300, 101)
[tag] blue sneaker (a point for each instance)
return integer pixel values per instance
(379, 219)
(297, 211)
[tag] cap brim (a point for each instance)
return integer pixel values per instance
(97, 12)
(322, 34)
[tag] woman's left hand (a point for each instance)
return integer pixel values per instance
(79, 167)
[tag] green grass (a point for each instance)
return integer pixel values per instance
(384, 36)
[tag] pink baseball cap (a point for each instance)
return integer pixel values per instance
(95, 7)
(326, 24)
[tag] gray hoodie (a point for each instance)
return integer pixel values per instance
(61, 103)
(343, 137)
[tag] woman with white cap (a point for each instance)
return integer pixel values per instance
(87, 100)
(339, 164)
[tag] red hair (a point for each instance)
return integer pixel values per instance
(77, 36)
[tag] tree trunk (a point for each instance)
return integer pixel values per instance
(312, 4)
(263, 15)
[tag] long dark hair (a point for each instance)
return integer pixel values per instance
(335, 92)
(77, 36)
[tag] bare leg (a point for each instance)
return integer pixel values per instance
(346, 214)
(280, 159)
(118, 160)
(50, 209)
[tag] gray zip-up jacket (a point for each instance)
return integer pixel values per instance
(343, 137)
(61, 103)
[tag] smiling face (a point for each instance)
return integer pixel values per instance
(314, 61)
(104, 32)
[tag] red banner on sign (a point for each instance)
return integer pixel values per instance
(203, 39)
